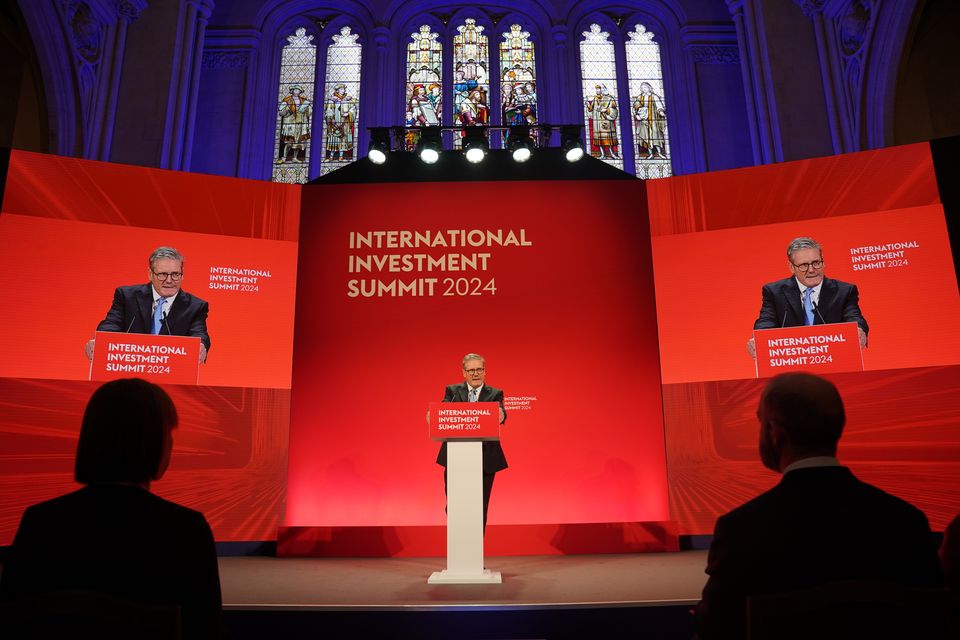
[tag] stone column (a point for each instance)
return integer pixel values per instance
(222, 117)
(783, 81)
(755, 80)
(184, 84)
(99, 120)
(563, 78)
(386, 102)
(858, 68)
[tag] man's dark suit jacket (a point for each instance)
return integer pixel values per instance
(782, 307)
(493, 458)
(817, 525)
(132, 312)
(124, 541)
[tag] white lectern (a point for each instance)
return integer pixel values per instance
(464, 426)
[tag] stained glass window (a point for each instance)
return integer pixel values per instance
(341, 108)
(298, 63)
(424, 74)
(648, 109)
(518, 79)
(601, 113)
(471, 79)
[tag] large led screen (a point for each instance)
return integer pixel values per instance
(718, 238)
(74, 231)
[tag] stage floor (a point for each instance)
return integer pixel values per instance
(400, 584)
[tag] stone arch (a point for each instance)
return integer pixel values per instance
(888, 46)
(919, 110)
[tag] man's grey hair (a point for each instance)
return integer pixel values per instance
(472, 356)
(165, 252)
(802, 243)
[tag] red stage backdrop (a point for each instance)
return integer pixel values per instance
(73, 230)
(717, 238)
(550, 281)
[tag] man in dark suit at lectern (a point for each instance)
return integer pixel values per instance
(807, 297)
(473, 389)
(160, 306)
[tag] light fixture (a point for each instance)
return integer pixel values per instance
(379, 145)
(475, 144)
(570, 142)
(520, 145)
(428, 148)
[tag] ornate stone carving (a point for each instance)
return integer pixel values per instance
(715, 54)
(618, 18)
(322, 22)
(852, 26)
(130, 10)
(225, 59)
(85, 31)
(559, 33)
(810, 7)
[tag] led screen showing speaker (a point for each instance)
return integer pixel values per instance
(718, 238)
(74, 231)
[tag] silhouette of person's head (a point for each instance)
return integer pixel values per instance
(801, 415)
(126, 434)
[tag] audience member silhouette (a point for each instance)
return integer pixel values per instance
(114, 536)
(819, 524)
(950, 555)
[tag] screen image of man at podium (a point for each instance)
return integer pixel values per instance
(473, 389)
(808, 297)
(159, 307)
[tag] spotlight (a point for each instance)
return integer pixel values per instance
(379, 145)
(429, 146)
(429, 154)
(570, 143)
(475, 144)
(521, 146)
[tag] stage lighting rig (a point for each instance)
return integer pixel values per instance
(520, 145)
(379, 145)
(429, 147)
(570, 142)
(521, 141)
(475, 145)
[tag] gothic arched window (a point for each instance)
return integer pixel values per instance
(341, 108)
(647, 105)
(471, 77)
(601, 113)
(518, 79)
(298, 63)
(424, 87)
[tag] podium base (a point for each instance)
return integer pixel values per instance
(446, 577)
